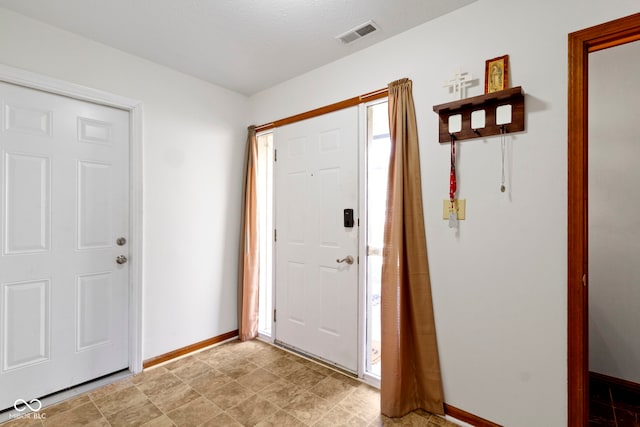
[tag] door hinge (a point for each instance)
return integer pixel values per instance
(358, 222)
(358, 259)
(275, 155)
(274, 314)
(275, 235)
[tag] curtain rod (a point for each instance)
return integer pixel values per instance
(371, 96)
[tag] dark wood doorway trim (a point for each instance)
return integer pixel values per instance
(581, 43)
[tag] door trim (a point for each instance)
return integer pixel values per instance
(37, 81)
(581, 43)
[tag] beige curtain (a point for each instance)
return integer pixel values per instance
(249, 260)
(410, 365)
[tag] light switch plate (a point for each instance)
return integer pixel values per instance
(460, 206)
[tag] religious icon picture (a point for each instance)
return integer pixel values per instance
(496, 74)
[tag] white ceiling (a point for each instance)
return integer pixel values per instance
(243, 45)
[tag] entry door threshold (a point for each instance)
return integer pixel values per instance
(69, 393)
(318, 360)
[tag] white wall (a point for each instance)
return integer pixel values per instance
(194, 136)
(614, 212)
(499, 286)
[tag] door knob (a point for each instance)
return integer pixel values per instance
(348, 259)
(121, 259)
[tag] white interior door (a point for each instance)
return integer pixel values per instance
(316, 179)
(64, 178)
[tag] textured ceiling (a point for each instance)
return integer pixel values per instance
(243, 45)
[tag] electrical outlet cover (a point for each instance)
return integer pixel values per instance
(459, 204)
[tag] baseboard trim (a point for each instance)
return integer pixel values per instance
(613, 381)
(468, 417)
(188, 349)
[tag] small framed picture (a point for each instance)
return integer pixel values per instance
(496, 74)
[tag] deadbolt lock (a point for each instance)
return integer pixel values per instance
(121, 241)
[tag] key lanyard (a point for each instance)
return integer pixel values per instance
(452, 174)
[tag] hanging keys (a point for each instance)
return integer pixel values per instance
(453, 220)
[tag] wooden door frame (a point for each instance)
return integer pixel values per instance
(581, 43)
(44, 83)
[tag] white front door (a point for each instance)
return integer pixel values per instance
(64, 190)
(316, 180)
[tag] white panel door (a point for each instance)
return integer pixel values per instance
(316, 179)
(64, 195)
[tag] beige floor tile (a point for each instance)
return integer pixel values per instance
(280, 393)
(179, 363)
(208, 383)
(305, 378)
(332, 389)
(194, 413)
(159, 384)
(53, 410)
(83, 415)
(281, 419)
(307, 407)
(149, 374)
(23, 422)
(161, 421)
(219, 358)
(252, 411)
(347, 379)
(244, 348)
(357, 422)
(115, 402)
(111, 388)
(318, 367)
(284, 366)
(222, 420)
(174, 397)
(362, 403)
(265, 356)
(236, 368)
(367, 393)
(414, 420)
(229, 395)
(439, 421)
(190, 370)
(210, 350)
(258, 379)
(135, 415)
(336, 416)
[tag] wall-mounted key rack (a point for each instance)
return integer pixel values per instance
(482, 116)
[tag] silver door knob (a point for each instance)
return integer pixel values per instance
(348, 259)
(121, 259)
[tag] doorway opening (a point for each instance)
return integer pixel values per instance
(581, 44)
(265, 230)
(346, 137)
(378, 150)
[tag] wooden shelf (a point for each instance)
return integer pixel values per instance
(488, 102)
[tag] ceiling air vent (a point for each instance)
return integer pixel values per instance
(358, 32)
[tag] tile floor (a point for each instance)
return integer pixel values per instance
(235, 384)
(612, 405)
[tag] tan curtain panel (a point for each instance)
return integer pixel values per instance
(410, 365)
(249, 261)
